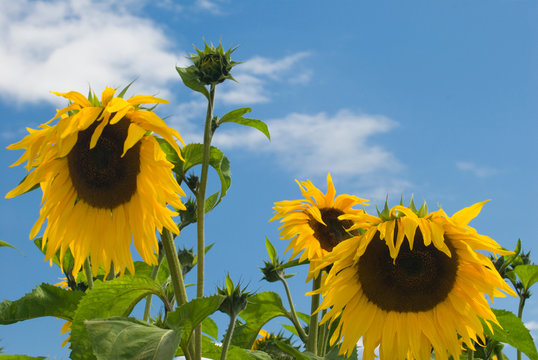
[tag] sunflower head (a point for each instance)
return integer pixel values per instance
(213, 65)
(407, 276)
(314, 224)
(106, 182)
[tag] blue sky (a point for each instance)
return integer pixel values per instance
(430, 98)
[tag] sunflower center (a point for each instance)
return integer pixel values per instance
(101, 176)
(417, 281)
(334, 233)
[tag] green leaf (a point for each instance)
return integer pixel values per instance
(236, 116)
(111, 298)
(288, 349)
(261, 308)
(271, 251)
(144, 270)
(333, 355)
(513, 332)
(68, 260)
(21, 357)
(190, 80)
(258, 354)
(193, 155)
(44, 300)
(188, 316)
(528, 274)
(119, 338)
(6, 244)
(210, 328)
(171, 155)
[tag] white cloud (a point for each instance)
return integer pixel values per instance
(313, 145)
(479, 171)
(254, 75)
(63, 45)
(532, 325)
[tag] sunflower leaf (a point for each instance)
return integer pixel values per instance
(188, 316)
(236, 116)
(528, 274)
(44, 300)
(288, 349)
(261, 308)
(128, 338)
(191, 80)
(6, 244)
(512, 332)
(111, 298)
(193, 155)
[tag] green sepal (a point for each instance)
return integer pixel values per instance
(512, 332)
(116, 297)
(121, 338)
(190, 79)
(423, 211)
(528, 274)
(385, 214)
(236, 116)
(44, 300)
(271, 251)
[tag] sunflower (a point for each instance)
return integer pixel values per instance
(106, 183)
(411, 282)
(313, 223)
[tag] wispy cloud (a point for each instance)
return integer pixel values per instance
(313, 145)
(70, 44)
(255, 74)
(476, 170)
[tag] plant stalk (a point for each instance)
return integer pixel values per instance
(200, 200)
(294, 317)
(312, 343)
(154, 274)
(228, 338)
(520, 315)
(175, 267)
(89, 274)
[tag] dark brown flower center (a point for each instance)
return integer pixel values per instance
(334, 233)
(417, 281)
(101, 176)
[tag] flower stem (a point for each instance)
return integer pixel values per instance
(89, 274)
(154, 274)
(175, 267)
(312, 343)
(228, 338)
(324, 336)
(200, 200)
(520, 314)
(294, 318)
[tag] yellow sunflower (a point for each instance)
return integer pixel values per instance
(411, 282)
(313, 223)
(106, 183)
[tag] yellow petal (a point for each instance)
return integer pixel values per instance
(145, 99)
(134, 134)
(465, 215)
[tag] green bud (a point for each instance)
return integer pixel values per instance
(236, 299)
(272, 272)
(213, 65)
(186, 258)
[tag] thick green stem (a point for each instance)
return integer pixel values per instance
(228, 338)
(312, 343)
(154, 273)
(520, 314)
(294, 317)
(175, 267)
(88, 272)
(323, 336)
(470, 353)
(200, 201)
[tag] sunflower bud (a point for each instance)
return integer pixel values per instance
(212, 66)
(272, 272)
(236, 299)
(186, 258)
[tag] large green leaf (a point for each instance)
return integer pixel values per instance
(190, 79)
(44, 300)
(528, 274)
(333, 355)
(236, 116)
(193, 155)
(111, 298)
(188, 316)
(261, 308)
(119, 338)
(513, 332)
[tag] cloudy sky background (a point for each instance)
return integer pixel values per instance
(435, 100)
